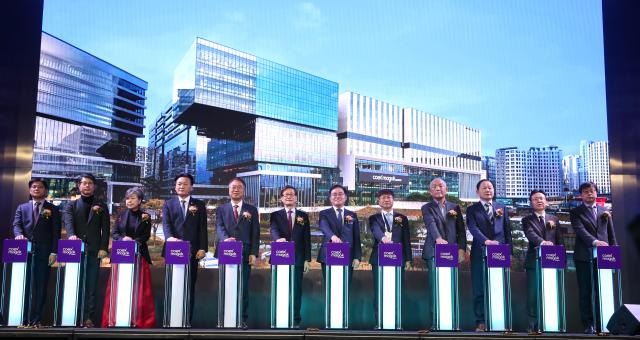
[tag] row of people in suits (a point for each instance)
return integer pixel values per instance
(184, 218)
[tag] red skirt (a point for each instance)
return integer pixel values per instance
(146, 308)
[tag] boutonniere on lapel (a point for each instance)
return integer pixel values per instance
(348, 219)
(452, 213)
(551, 225)
(397, 220)
(193, 210)
(499, 212)
(300, 220)
(97, 209)
(46, 213)
(246, 215)
(606, 215)
(146, 218)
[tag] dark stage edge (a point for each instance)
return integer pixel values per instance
(101, 333)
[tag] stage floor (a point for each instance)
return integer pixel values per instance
(101, 333)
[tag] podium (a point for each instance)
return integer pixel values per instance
(282, 284)
(497, 287)
(123, 292)
(444, 280)
(389, 286)
(551, 261)
(15, 304)
(606, 284)
(230, 284)
(70, 284)
(337, 285)
(177, 284)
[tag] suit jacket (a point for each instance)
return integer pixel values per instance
(447, 227)
(399, 234)
(245, 230)
(588, 229)
(482, 229)
(191, 227)
(92, 229)
(349, 232)
(537, 232)
(301, 232)
(45, 234)
(140, 234)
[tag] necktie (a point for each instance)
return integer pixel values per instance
(340, 221)
(183, 203)
(389, 218)
(594, 211)
(36, 212)
(235, 212)
(442, 209)
(541, 219)
(290, 221)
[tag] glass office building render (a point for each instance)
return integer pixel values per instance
(89, 114)
(382, 145)
(267, 123)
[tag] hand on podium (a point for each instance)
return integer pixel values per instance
(102, 254)
(127, 238)
(599, 243)
(407, 265)
(491, 242)
(306, 266)
(440, 240)
(20, 237)
(546, 243)
(252, 260)
(282, 239)
(73, 237)
(335, 239)
(461, 255)
(52, 259)
(386, 240)
(356, 263)
(173, 239)
(200, 254)
(230, 239)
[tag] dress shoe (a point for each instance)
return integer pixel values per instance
(244, 326)
(481, 327)
(88, 324)
(296, 325)
(589, 330)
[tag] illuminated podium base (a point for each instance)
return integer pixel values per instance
(70, 284)
(497, 288)
(445, 299)
(230, 296)
(551, 261)
(16, 284)
(177, 295)
(282, 289)
(337, 297)
(606, 284)
(389, 297)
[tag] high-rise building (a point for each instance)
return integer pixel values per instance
(267, 123)
(382, 145)
(520, 171)
(489, 168)
(571, 167)
(89, 115)
(596, 164)
(143, 157)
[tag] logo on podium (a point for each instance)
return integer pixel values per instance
(69, 251)
(498, 256)
(15, 251)
(390, 254)
(176, 252)
(338, 254)
(230, 252)
(446, 255)
(282, 253)
(553, 257)
(123, 251)
(609, 257)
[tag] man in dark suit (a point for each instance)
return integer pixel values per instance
(291, 224)
(239, 221)
(388, 227)
(184, 218)
(444, 223)
(541, 229)
(339, 225)
(488, 222)
(39, 222)
(87, 219)
(593, 226)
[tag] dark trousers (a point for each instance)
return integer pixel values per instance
(297, 292)
(584, 274)
(91, 278)
(532, 298)
(246, 272)
(477, 282)
(40, 280)
(193, 276)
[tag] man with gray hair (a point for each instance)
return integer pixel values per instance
(444, 223)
